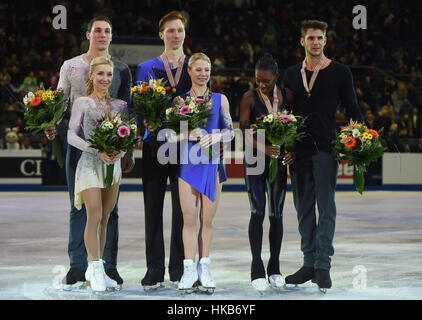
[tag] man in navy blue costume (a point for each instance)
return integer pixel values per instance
(73, 75)
(170, 66)
(318, 87)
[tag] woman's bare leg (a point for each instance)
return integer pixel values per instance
(109, 198)
(190, 202)
(93, 205)
(208, 212)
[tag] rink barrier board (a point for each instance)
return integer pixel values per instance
(20, 170)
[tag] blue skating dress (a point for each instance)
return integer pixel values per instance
(196, 167)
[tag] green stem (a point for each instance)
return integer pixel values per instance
(58, 151)
(109, 175)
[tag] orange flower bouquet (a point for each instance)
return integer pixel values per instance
(360, 146)
(43, 109)
(150, 100)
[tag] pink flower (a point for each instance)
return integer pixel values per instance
(259, 118)
(99, 120)
(123, 131)
(286, 118)
(199, 100)
(185, 110)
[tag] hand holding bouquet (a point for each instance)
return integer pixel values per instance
(281, 128)
(360, 146)
(195, 111)
(112, 136)
(44, 109)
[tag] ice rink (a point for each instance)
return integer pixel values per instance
(378, 249)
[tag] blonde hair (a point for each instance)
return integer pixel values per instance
(198, 56)
(96, 62)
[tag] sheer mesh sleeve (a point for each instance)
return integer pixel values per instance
(64, 83)
(226, 123)
(76, 131)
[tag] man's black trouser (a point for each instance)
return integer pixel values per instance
(314, 180)
(154, 181)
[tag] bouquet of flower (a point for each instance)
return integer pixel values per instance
(360, 146)
(280, 128)
(195, 111)
(43, 109)
(151, 100)
(113, 134)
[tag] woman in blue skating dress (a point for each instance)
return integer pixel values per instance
(200, 177)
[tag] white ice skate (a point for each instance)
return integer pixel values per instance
(110, 283)
(204, 274)
(276, 281)
(190, 277)
(260, 285)
(95, 276)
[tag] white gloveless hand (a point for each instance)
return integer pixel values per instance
(195, 134)
(210, 139)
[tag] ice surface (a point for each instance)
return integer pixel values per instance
(377, 244)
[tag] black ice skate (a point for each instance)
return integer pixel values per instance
(75, 279)
(301, 276)
(153, 279)
(114, 274)
(323, 280)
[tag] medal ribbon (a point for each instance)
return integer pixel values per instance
(273, 108)
(314, 75)
(180, 62)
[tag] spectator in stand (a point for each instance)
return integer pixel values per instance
(406, 108)
(416, 123)
(30, 80)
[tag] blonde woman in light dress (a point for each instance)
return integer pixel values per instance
(90, 172)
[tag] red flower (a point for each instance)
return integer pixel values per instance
(144, 89)
(36, 101)
(349, 142)
(374, 133)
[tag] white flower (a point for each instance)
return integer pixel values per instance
(152, 83)
(168, 111)
(27, 99)
(192, 105)
(355, 133)
(269, 118)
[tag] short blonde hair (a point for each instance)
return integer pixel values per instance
(198, 56)
(96, 62)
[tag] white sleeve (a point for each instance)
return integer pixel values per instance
(75, 127)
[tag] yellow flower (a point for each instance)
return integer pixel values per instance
(173, 90)
(368, 142)
(161, 90)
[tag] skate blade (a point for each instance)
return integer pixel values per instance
(207, 290)
(78, 286)
(277, 289)
(153, 288)
(114, 289)
(323, 290)
(184, 292)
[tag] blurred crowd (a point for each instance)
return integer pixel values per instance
(385, 59)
